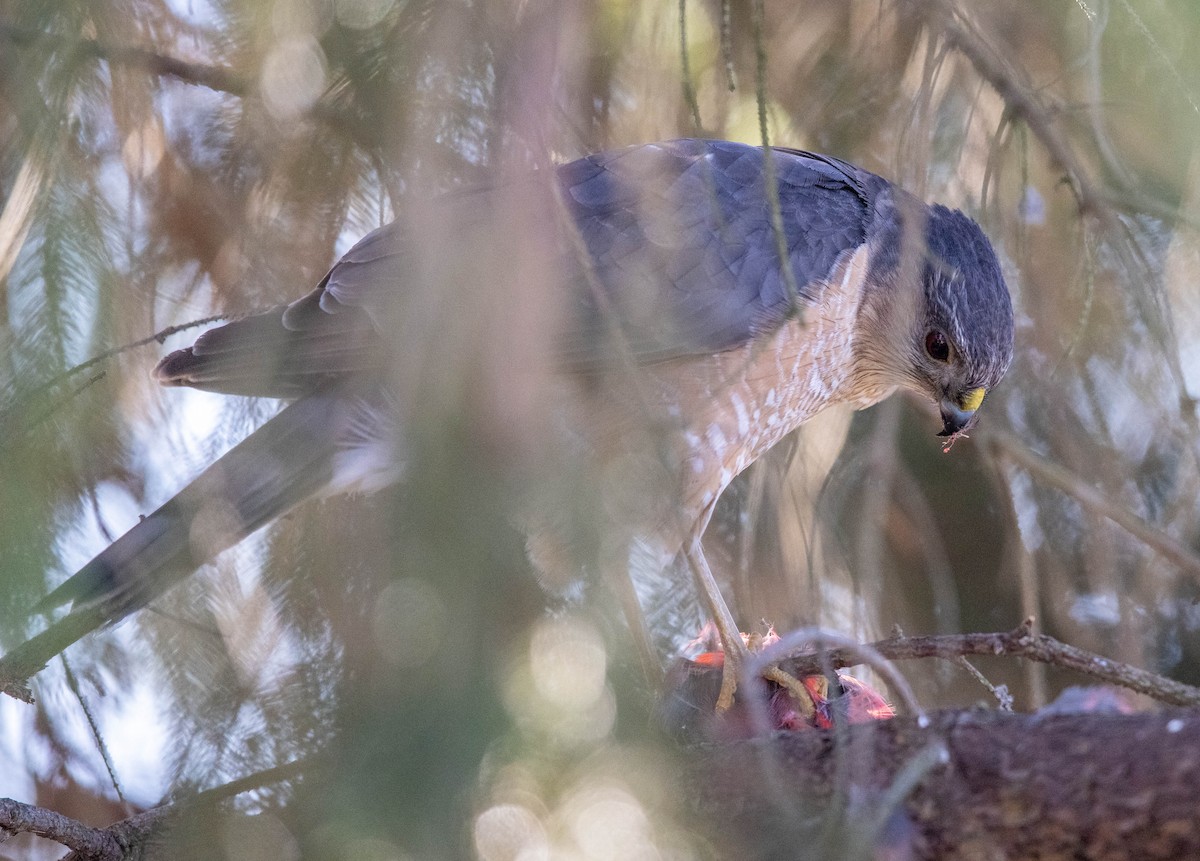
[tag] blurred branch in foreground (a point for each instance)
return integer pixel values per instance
(212, 77)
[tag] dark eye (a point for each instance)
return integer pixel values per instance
(936, 346)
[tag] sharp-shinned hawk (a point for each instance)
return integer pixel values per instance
(747, 312)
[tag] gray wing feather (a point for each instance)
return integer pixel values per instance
(680, 241)
(679, 258)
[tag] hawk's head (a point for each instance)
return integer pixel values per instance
(939, 319)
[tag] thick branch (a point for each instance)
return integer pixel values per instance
(114, 842)
(135, 830)
(93, 843)
(1019, 643)
(27, 660)
(988, 785)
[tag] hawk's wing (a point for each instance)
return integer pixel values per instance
(672, 248)
(669, 245)
(680, 241)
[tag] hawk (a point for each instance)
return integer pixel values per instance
(749, 289)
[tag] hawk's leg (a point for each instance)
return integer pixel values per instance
(731, 638)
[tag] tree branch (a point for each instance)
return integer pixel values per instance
(92, 843)
(1106, 787)
(21, 664)
(1019, 643)
(112, 843)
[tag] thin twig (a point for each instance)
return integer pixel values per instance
(726, 36)
(93, 725)
(689, 88)
(266, 777)
(1003, 698)
(1018, 643)
(158, 337)
(1030, 591)
(769, 179)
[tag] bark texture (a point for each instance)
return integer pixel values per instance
(984, 785)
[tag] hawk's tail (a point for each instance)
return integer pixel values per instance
(288, 459)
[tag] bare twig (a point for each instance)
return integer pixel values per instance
(689, 88)
(1030, 589)
(726, 35)
(769, 179)
(266, 777)
(93, 725)
(1003, 698)
(1018, 643)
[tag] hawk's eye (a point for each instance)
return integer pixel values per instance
(936, 346)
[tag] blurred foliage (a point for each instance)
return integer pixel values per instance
(163, 161)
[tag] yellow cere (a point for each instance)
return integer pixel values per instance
(972, 399)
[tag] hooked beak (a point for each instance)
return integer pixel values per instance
(960, 416)
(955, 420)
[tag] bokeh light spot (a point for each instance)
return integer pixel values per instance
(508, 832)
(293, 77)
(409, 622)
